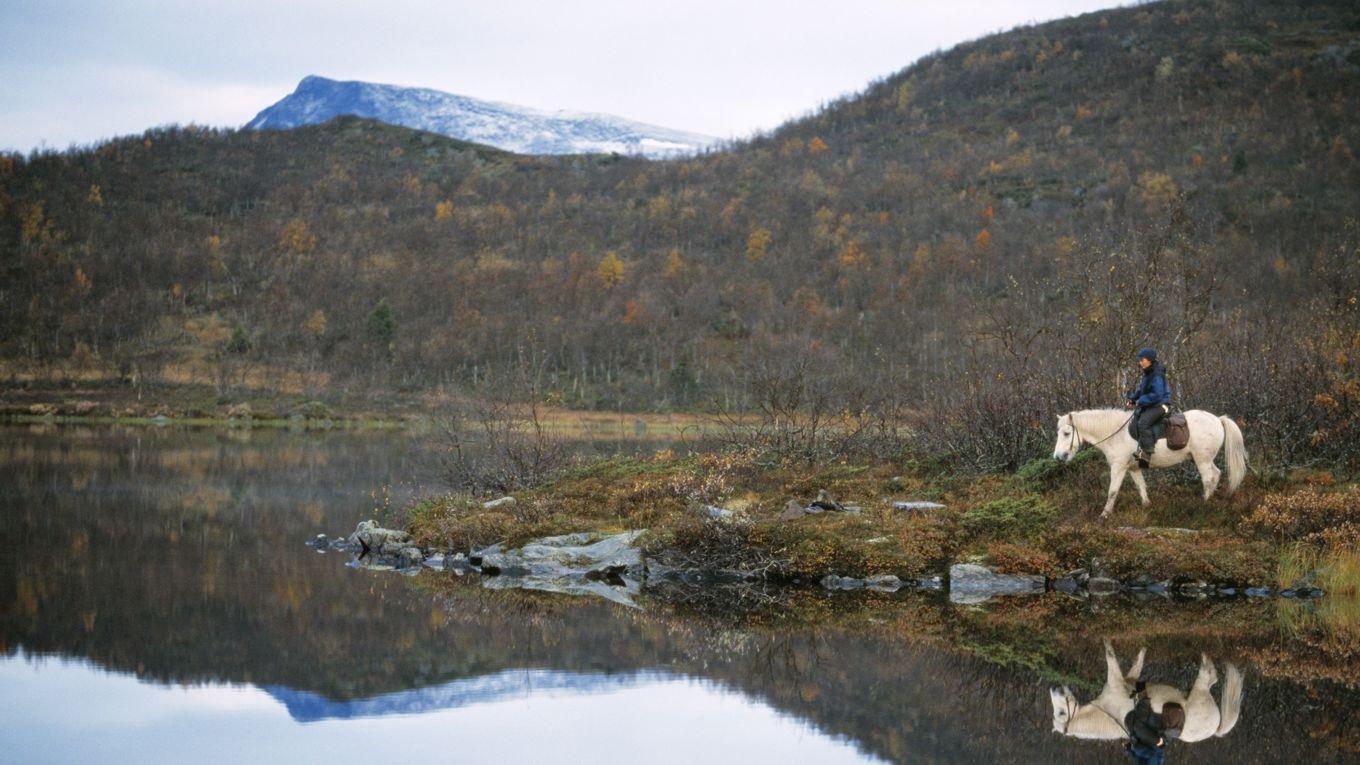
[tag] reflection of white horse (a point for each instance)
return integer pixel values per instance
(1103, 718)
(1107, 430)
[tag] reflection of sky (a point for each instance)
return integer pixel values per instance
(62, 711)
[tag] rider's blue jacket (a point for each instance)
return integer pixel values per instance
(1152, 390)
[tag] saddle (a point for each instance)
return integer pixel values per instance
(1172, 427)
(1177, 431)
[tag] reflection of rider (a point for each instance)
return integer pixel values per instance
(1149, 731)
(1152, 396)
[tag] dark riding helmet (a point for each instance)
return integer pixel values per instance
(1148, 353)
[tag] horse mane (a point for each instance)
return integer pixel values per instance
(1099, 424)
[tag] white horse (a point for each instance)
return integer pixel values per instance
(1107, 430)
(1103, 718)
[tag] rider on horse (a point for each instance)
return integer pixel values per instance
(1152, 397)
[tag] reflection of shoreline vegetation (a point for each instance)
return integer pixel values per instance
(189, 405)
(177, 556)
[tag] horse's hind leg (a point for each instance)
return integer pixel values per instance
(1137, 669)
(1140, 481)
(1208, 474)
(1208, 674)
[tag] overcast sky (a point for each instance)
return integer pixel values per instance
(78, 72)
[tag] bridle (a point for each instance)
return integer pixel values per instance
(1073, 708)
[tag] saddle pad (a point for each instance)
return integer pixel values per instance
(1177, 432)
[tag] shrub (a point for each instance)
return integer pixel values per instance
(1011, 516)
(1310, 514)
(1011, 558)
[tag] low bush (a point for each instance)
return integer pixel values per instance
(1011, 516)
(1310, 514)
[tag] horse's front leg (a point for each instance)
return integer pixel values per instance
(1118, 469)
(1141, 482)
(1114, 679)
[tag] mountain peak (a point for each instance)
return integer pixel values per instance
(505, 126)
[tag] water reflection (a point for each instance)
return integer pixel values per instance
(119, 719)
(1106, 716)
(165, 572)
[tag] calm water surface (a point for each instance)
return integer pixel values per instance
(157, 605)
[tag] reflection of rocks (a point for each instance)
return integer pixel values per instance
(611, 566)
(575, 564)
(883, 583)
(586, 563)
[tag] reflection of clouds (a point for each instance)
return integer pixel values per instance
(69, 711)
(49, 690)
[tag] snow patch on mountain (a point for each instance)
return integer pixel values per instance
(505, 126)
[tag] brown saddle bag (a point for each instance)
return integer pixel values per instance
(1177, 432)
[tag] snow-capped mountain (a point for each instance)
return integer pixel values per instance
(505, 126)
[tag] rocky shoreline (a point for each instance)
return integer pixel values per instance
(611, 566)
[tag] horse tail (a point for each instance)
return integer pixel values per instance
(1234, 453)
(1231, 705)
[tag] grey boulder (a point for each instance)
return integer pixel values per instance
(971, 583)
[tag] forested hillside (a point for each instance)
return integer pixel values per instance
(988, 234)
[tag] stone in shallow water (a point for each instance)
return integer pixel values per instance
(587, 563)
(971, 583)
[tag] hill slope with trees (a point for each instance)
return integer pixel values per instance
(986, 236)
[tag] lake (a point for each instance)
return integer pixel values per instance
(157, 604)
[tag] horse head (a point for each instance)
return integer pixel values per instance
(1068, 441)
(1064, 707)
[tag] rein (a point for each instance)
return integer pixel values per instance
(1080, 441)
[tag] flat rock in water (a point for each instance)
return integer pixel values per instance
(971, 583)
(568, 556)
